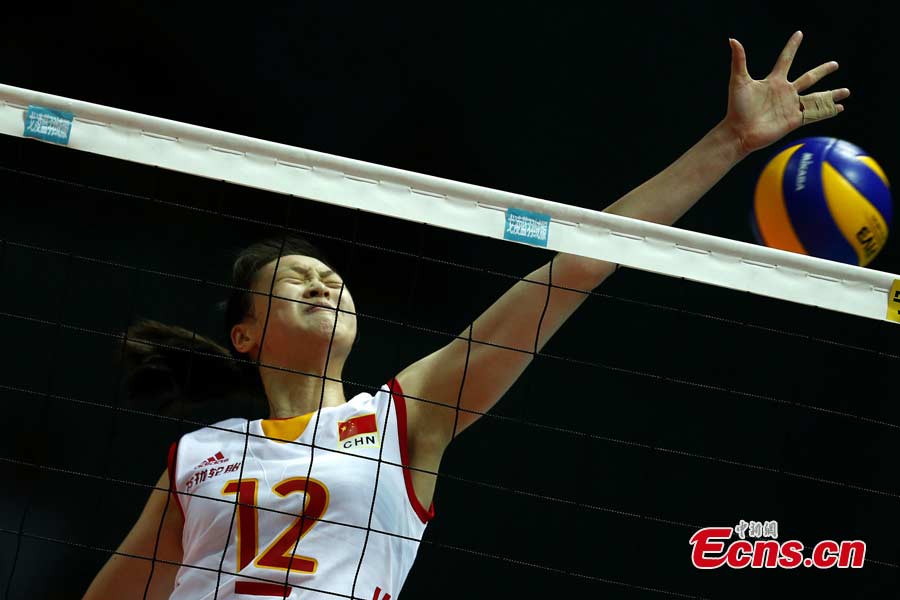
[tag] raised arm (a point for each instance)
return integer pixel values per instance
(759, 113)
(124, 577)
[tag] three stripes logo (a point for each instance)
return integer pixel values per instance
(217, 459)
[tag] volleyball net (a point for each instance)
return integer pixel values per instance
(382, 221)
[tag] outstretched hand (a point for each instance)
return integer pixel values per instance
(760, 112)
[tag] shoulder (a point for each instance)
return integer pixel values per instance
(216, 430)
(387, 394)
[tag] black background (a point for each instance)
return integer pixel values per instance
(604, 465)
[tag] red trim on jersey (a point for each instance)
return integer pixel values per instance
(400, 406)
(258, 588)
(173, 457)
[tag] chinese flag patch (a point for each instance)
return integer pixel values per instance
(356, 426)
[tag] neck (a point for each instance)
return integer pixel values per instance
(293, 394)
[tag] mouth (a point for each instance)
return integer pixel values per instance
(315, 307)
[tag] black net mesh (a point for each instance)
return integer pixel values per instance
(663, 407)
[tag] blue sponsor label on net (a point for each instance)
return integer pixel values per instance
(48, 125)
(527, 227)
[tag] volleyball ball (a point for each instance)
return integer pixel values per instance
(823, 197)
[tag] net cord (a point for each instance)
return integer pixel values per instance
(455, 205)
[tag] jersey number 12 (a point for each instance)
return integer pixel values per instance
(280, 553)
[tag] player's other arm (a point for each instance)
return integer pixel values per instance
(124, 577)
(759, 112)
(475, 375)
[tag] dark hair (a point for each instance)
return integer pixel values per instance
(166, 364)
(172, 368)
(247, 265)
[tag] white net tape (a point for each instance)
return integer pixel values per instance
(459, 206)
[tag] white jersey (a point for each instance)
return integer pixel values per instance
(362, 524)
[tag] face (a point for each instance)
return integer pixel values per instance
(305, 296)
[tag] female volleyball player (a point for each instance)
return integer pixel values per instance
(286, 506)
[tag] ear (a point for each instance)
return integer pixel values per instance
(242, 338)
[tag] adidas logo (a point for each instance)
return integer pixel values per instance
(217, 459)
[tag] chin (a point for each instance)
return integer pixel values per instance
(326, 333)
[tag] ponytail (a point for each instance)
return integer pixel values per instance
(172, 370)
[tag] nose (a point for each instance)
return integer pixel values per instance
(316, 289)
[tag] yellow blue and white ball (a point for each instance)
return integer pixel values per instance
(823, 197)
